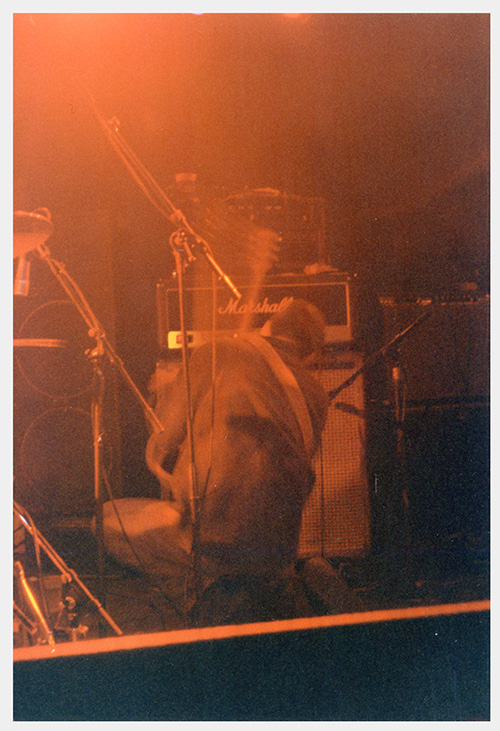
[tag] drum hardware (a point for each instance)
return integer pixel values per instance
(23, 622)
(31, 230)
(37, 624)
(39, 343)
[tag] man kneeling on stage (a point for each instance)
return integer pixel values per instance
(225, 533)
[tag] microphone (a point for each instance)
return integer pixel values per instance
(31, 230)
(22, 278)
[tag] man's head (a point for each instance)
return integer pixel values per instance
(300, 322)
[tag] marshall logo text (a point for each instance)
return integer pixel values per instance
(234, 307)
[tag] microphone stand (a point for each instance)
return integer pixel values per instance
(377, 354)
(391, 350)
(399, 393)
(186, 245)
(103, 348)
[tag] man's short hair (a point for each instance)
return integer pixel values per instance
(301, 322)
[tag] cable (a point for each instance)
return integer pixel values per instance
(201, 496)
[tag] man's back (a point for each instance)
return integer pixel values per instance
(253, 473)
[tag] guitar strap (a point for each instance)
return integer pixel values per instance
(290, 385)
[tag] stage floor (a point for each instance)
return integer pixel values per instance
(428, 575)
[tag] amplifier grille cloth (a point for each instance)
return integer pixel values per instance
(336, 518)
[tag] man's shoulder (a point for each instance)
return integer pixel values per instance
(225, 345)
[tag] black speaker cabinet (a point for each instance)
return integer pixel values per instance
(445, 366)
(446, 356)
(444, 469)
(52, 427)
(336, 519)
(447, 473)
(53, 379)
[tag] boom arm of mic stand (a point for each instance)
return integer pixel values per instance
(97, 331)
(181, 237)
(371, 358)
(155, 194)
(220, 273)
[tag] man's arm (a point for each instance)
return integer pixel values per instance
(163, 446)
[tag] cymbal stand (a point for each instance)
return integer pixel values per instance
(67, 575)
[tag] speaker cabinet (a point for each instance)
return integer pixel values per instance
(446, 356)
(336, 519)
(53, 443)
(52, 429)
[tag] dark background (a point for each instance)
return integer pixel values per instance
(384, 116)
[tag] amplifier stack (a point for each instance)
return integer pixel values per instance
(336, 520)
(331, 292)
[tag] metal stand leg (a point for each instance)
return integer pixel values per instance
(68, 577)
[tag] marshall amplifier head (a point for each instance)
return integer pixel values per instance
(208, 308)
